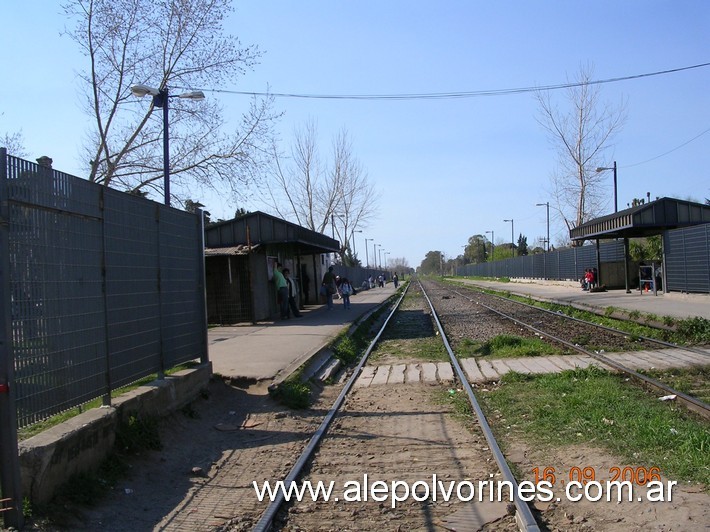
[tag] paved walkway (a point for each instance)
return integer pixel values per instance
(271, 350)
(673, 304)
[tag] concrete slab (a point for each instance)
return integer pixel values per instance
(489, 372)
(472, 371)
(515, 365)
(396, 375)
(562, 362)
(691, 356)
(365, 378)
(413, 373)
(381, 375)
(428, 372)
(500, 366)
(445, 372)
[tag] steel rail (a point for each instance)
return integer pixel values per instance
(692, 403)
(524, 516)
(269, 514)
(605, 327)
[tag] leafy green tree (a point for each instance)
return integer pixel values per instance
(475, 251)
(522, 245)
(432, 264)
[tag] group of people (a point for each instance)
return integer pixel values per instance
(332, 286)
(286, 292)
(589, 280)
(336, 286)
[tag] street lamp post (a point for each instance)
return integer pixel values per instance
(160, 99)
(386, 263)
(601, 169)
(547, 204)
(493, 244)
(379, 254)
(354, 252)
(367, 259)
(512, 235)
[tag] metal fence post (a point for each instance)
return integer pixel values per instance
(9, 460)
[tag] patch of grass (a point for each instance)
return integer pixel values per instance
(293, 393)
(427, 349)
(458, 400)
(669, 321)
(691, 381)
(346, 350)
(696, 330)
(506, 346)
(138, 434)
(594, 406)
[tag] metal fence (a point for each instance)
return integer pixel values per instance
(565, 264)
(687, 261)
(102, 288)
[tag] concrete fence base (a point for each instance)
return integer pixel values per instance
(80, 444)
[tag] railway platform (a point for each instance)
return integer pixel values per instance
(675, 305)
(267, 351)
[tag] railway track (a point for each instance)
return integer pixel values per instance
(423, 463)
(637, 352)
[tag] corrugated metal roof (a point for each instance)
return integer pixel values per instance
(644, 220)
(234, 250)
(261, 228)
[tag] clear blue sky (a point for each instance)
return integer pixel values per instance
(444, 169)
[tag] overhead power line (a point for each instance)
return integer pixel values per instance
(457, 94)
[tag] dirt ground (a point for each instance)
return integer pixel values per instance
(202, 478)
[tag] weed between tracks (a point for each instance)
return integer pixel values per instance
(505, 346)
(691, 381)
(594, 406)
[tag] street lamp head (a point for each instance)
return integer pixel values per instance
(508, 220)
(141, 90)
(192, 95)
(541, 204)
(602, 168)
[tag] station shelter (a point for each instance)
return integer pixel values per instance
(644, 220)
(240, 255)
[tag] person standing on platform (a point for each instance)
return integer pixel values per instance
(328, 287)
(292, 294)
(346, 289)
(395, 280)
(281, 291)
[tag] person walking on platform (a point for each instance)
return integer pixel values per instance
(328, 287)
(292, 294)
(346, 289)
(395, 280)
(281, 291)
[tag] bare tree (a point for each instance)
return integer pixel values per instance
(319, 196)
(176, 44)
(15, 144)
(582, 137)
